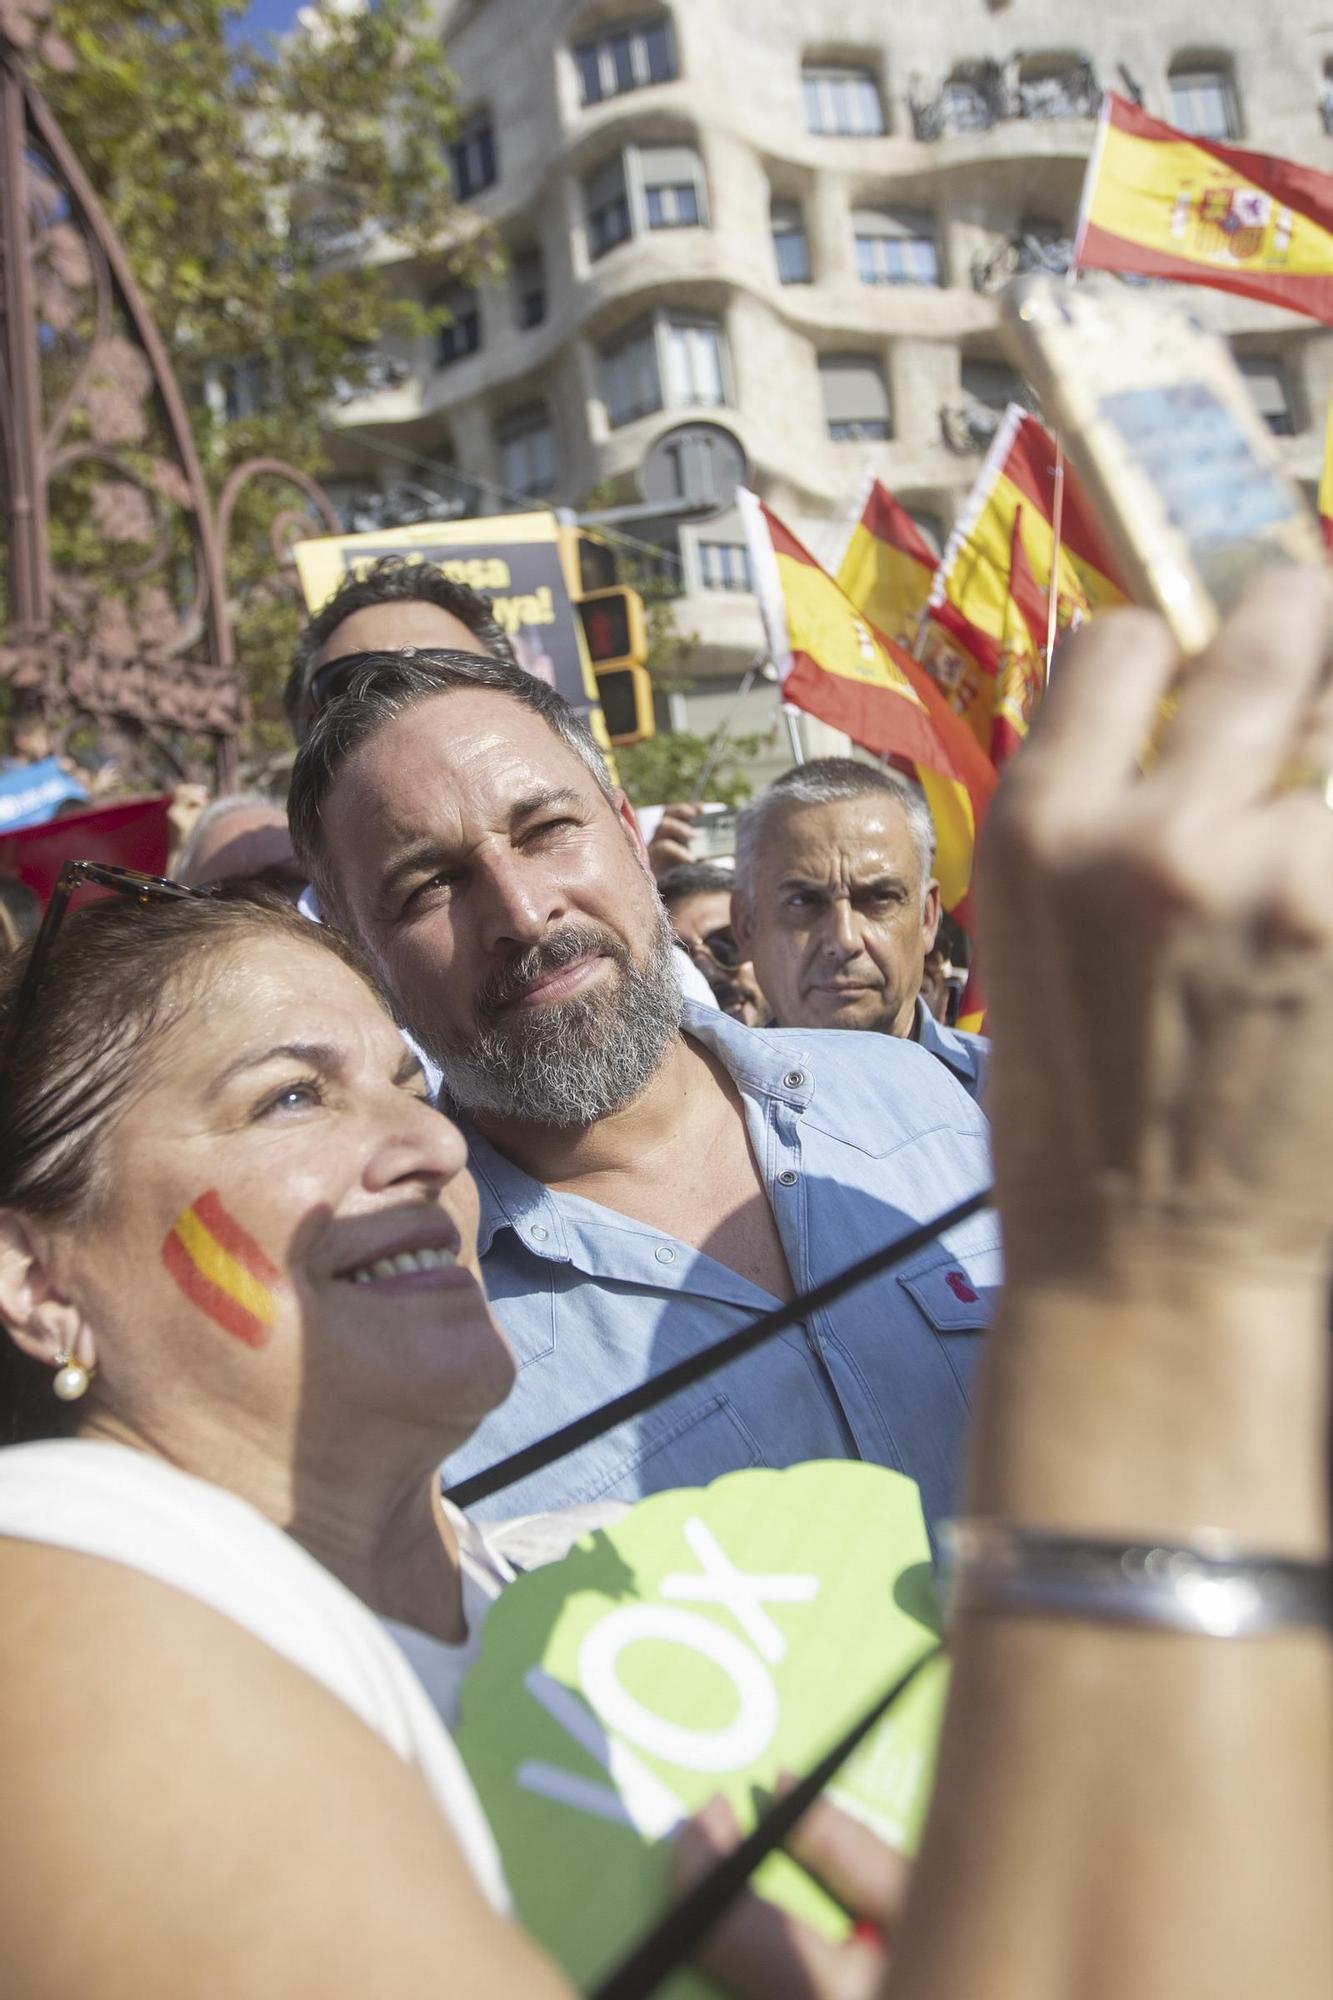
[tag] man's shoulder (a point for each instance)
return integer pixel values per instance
(854, 1076)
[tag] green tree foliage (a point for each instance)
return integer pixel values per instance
(668, 767)
(264, 198)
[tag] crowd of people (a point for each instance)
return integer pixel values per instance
(456, 1109)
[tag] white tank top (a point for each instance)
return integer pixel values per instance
(129, 1508)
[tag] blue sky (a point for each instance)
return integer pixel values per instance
(269, 17)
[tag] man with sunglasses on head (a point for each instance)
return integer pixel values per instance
(697, 895)
(398, 602)
(652, 1174)
(401, 604)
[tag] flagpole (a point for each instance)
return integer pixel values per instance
(1071, 279)
(1057, 523)
(1090, 179)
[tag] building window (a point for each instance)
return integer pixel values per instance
(856, 401)
(672, 186)
(841, 103)
(790, 249)
(461, 335)
(648, 187)
(631, 384)
(527, 451)
(626, 59)
(693, 358)
(607, 204)
(895, 248)
(1267, 381)
(674, 360)
(472, 157)
(991, 384)
(529, 275)
(724, 565)
(1203, 99)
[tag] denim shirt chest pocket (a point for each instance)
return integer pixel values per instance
(955, 1287)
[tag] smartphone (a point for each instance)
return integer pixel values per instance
(1157, 421)
(713, 836)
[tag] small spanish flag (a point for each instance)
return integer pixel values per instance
(222, 1270)
(1164, 204)
(887, 571)
(887, 566)
(1015, 494)
(1020, 677)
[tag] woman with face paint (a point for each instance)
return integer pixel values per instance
(238, 1266)
(238, 1272)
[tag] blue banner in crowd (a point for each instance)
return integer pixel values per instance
(30, 793)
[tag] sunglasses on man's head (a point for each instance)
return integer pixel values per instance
(335, 676)
(100, 875)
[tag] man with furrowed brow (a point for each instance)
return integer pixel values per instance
(652, 1174)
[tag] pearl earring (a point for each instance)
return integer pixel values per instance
(71, 1379)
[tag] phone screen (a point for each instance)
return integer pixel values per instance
(1223, 499)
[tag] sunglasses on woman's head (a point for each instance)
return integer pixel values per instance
(101, 875)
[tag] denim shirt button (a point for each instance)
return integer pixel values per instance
(665, 1254)
(787, 1178)
(539, 1235)
(794, 1079)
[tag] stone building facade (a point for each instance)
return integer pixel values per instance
(790, 218)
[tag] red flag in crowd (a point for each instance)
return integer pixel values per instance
(131, 833)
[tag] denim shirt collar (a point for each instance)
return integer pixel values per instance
(954, 1050)
(760, 1065)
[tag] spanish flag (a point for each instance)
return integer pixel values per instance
(1020, 677)
(1163, 204)
(835, 665)
(1017, 484)
(887, 567)
(222, 1270)
(887, 571)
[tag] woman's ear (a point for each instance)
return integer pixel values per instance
(41, 1321)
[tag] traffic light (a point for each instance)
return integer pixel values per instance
(614, 627)
(615, 635)
(626, 695)
(588, 561)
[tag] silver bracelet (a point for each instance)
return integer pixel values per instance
(1211, 1585)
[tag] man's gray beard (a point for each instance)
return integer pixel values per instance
(574, 1061)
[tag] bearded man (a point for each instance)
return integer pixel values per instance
(652, 1174)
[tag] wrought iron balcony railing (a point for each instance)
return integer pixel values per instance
(1030, 250)
(979, 95)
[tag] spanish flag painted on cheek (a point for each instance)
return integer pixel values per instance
(1164, 204)
(222, 1270)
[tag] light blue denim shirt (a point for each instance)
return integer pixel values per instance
(858, 1137)
(967, 1056)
